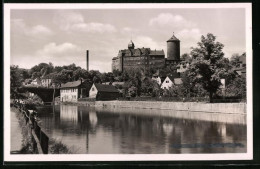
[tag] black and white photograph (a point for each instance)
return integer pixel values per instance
(114, 82)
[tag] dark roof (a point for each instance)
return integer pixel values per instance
(71, 84)
(157, 52)
(173, 39)
(173, 76)
(105, 88)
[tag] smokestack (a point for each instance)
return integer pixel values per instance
(87, 61)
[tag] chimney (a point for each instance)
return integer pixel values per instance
(87, 68)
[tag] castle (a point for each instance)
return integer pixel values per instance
(145, 58)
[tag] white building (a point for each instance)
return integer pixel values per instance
(71, 91)
(46, 82)
(36, 82)
(170, 81)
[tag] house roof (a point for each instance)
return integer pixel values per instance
(71, 84)
(173, 76)
(177, 81)
(105, 88)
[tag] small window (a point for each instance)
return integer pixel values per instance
(167, 81)
(93, 89)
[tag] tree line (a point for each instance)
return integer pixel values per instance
(201, 79)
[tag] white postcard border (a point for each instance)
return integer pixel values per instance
(127, 157)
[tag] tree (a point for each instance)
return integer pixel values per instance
(186, 57)
(208, 64)
(237, 87)
(16, 80)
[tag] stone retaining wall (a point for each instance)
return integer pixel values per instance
(228, 108)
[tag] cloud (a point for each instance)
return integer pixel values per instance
(20, 26)
(189, 38)
(64, 50)
(93, 27)
(174, 21)
(147, 42)
(73, 21)
(128, 30)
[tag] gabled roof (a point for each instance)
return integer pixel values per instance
(71, 84)
(105, 88)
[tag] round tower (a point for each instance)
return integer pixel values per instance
(131, 45)
(173, 48)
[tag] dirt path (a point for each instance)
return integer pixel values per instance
(16, 134)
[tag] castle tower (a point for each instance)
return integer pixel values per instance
(173, 48)
(131, 45)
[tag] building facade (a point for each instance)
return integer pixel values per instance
(145, 58)
(103, 92)
(72, 91)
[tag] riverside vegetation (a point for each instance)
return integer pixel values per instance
(55, 146)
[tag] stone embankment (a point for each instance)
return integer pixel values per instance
(227, 108)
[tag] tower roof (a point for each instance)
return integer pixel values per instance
(173, 39)
(131, 44)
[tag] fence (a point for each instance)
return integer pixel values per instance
(40, 141)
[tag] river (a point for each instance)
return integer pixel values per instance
(89, 130)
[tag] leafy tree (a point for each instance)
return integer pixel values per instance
(81, 73)
(186, 57)
(208, 64)
(237, 87)
(16, 80)
(63, 76)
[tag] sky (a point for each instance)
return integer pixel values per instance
(63, 36)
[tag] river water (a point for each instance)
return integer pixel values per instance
(88, 130)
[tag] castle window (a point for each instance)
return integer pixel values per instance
(167, 81)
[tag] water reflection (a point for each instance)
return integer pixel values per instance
(129, 131)
(69, 114)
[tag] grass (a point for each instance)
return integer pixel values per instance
(57, 147)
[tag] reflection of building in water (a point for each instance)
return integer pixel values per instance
(222, 129)
(167, 128)
(68, 113)
(93, 118)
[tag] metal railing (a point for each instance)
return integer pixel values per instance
(40, 140)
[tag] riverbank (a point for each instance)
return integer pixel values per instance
(21, 138)
(16, 133)
(226, 108)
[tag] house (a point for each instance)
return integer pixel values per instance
(27, 81)
(46, 82)
(170, 81)
(72, 91)
(156, 78)
(36, 82)
(183, 66)
(241, 70)
(103, 92)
